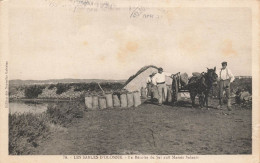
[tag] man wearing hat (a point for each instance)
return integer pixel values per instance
(149, 83)
(159, 80)
(225, 78)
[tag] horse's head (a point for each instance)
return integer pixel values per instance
(212, 75)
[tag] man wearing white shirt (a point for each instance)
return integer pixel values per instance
(225, 78)
(159, 80)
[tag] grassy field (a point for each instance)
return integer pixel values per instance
(28, 131)
(152, 129)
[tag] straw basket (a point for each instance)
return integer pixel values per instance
(109, 100)
(95, 102)
(88, 102)
(130, 99)
(123, 100)
(102, 102)
(137, 99)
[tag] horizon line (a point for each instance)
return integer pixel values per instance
(236, 76)
(68, 79)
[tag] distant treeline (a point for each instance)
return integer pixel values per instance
(80, 89)
(32, 91)
(56, 81)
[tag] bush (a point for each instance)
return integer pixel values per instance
(242, 84)
(33, 91)
(28, 130)
(25, 132)
(93, 87)
(85, 86)
(64, 112)
(62, 87)
(111, 86)
(51, 86)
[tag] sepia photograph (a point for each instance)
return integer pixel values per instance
(102, 77)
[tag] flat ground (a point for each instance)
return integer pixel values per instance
(152, 129)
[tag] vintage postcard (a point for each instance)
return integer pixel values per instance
(131, 80)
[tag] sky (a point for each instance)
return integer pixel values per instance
(55, 41)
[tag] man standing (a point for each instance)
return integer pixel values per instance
(159, 80)
(149, 84)
(225, 78)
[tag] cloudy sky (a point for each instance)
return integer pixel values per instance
(56, 41)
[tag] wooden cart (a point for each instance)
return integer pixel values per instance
(177, 88)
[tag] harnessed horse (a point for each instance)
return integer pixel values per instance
(201, 86)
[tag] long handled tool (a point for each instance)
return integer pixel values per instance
(101, 88)
(173, 75)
